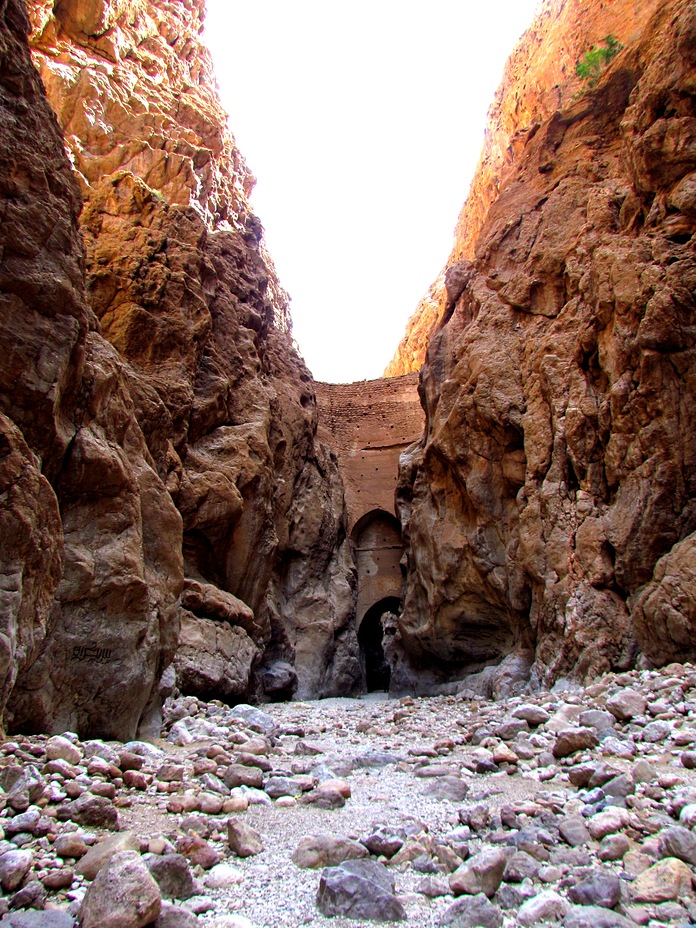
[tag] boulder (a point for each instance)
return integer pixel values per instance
(123, 895)
(483, 873)
(362, 889)
(326, 850)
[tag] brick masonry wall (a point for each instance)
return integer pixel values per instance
(368, 424)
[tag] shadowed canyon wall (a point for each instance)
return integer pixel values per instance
(161, 470)
(548, 513)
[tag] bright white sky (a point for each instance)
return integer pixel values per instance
(363, 123)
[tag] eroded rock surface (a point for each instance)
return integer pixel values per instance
(548, 513)
(90, 574)
(154, 405)
(539, 78)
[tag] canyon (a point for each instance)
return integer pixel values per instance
(184, 509)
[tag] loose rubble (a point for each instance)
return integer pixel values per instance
(571, 807)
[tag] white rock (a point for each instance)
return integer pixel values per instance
(256, 797)
(687, 816)
(59, 748)
(222, 876)
(144, 749)
(547, 906)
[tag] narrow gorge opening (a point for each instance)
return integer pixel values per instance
(377, 551)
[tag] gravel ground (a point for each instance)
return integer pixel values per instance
(277, 894)
(616, 761)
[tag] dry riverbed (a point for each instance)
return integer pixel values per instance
(575, 807)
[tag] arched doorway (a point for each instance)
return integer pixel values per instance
(377, 550)
(371, 640)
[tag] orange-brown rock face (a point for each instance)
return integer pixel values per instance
(539, 78)
(549, 510)
(163, 422)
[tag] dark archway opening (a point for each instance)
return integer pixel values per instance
(370, 638)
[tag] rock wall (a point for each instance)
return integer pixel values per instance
(160, 418)
(89, 572)
(539, 78)
(549, 511)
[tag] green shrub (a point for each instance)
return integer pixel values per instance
(592, 63)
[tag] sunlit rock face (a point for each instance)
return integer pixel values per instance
(548, 513)
(155, 407)
(539, 78)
